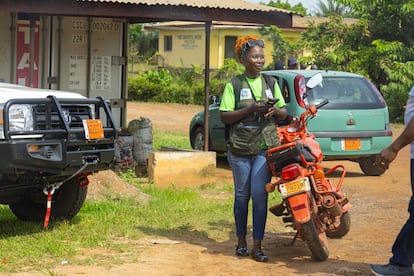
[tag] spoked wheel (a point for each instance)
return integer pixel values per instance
(317, 241)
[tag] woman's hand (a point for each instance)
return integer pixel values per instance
(271, 111)
(259, 107)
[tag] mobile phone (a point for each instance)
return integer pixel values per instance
(271, 102)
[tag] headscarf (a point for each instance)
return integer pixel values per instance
(241, 46)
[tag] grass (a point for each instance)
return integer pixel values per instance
(170, 139)
(112, 229)
(109, 231)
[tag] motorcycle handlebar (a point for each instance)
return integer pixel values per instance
(324, 102)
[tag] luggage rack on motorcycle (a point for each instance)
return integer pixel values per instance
(283, 155)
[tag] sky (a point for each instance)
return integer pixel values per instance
(310, 5)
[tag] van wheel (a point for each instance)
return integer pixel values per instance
(198, 139)
(368, 166)
(66, 203)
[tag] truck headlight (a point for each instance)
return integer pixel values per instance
(21, 117)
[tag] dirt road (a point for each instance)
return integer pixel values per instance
(378, 212)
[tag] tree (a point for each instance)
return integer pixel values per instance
(287, 6)
(141, 43)
(390, 20)
(281, 46)
(379, 46)
(331, 7)
(336, 46)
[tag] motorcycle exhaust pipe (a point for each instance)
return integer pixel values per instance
(331, 204)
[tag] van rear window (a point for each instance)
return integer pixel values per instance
(345, 93)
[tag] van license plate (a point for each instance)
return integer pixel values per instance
(93, 129)
(294, 187)
(351, 144)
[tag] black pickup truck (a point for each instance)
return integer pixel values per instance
(50, 141)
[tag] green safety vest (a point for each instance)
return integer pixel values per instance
(245, 137)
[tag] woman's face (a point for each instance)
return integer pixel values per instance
(254, 60)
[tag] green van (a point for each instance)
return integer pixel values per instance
(353, 126)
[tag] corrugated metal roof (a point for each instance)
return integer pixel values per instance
(298, 22)
(303, 22)
(219, 4)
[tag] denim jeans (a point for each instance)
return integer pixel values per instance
(403, 248)
(250, 175)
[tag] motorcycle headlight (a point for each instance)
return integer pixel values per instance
(21, 117)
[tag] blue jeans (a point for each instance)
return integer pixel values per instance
(250, 175)
(403, 248)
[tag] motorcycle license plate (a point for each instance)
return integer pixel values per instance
(351, 144)
(294, 187)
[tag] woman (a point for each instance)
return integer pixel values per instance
(247, 107)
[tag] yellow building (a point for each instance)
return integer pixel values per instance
(182, 44)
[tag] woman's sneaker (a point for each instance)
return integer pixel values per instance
(391, 270)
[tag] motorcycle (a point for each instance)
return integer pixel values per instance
(311, 203)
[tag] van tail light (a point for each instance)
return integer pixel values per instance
(300, 89)
(388, 130)
(290, 172)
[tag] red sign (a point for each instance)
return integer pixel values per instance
(23, 58)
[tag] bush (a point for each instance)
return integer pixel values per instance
(179, 85)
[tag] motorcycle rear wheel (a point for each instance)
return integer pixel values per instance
(317, 242)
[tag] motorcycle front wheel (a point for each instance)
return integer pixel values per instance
(317, 242)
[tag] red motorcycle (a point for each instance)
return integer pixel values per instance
(312, 204)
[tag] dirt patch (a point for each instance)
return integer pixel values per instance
(108, 185)
(378, 211)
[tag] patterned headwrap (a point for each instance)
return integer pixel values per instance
(245, 42)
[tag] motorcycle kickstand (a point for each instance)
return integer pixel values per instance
(293, 240)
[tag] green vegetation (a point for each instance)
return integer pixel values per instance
(179, 85)
(113, 228)
(170, 139)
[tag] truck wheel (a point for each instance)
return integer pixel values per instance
(368, 166)
(66, 203)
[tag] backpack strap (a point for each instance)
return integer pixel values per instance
(270, 81)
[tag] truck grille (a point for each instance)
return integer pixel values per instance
(73, 114)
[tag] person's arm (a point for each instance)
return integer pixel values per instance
(227, 113)
(230, 117)
(388, 154)
(405, 138)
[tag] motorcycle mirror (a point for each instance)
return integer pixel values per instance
(314, 81)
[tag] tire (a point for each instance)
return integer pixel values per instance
(343, 228)
(198, 139)
(317, 242)
(66, 203)
(368, 166)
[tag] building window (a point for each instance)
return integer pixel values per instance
(167, 43)
(229, 42)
